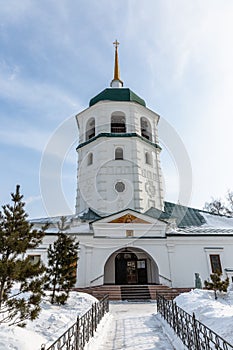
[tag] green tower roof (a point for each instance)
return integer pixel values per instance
(117, 94)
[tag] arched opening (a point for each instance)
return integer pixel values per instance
(90, 159)
(118, 123)
(118, 153)
(146, 130)
(90, 129)
(131, 266)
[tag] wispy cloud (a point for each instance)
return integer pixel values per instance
(32, 199)
(31, 92)
(28, 137)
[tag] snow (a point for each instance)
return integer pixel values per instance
(77, 228)
(53, 321)
(217, 221)
(215, 314)
(129, 325)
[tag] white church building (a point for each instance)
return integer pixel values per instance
(128, 233)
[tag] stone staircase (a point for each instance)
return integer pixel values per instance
(133, 292)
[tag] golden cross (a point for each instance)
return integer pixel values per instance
(116, 43)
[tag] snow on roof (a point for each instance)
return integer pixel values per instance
(81, 228)
(217, 221)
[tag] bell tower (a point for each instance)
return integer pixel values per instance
(118, 152)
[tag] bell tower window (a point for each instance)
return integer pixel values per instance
(118, 153)
(146, 128)
(90, 129)
(118, 123)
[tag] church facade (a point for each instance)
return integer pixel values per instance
(128, 233)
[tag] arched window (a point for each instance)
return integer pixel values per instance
(118, 123)
(118, 153)
(146, 128)
(148, 158)
(90, 159)
(90, 129)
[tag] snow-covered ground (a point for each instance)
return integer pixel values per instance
(131, 326)
(216, 314)
(138, 326)
(52, 322)
(128, 325)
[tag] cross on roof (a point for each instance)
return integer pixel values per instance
(116, 43)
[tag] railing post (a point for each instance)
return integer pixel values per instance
(92, 320)
(173, 315)
(77, 333)
(196, 337)
(95, 307)
(42, 347)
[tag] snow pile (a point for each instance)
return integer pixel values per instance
(53, 321)
(215, 314)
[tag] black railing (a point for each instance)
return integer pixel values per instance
(118, 128)
(194, 334)
(82, 330)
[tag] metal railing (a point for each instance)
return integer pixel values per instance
(194, 334)
(82, 330)
(167, 281)
(96, 279)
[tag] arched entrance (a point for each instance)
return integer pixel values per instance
(131, 266)
(129, 269)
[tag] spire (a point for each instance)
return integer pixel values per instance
(116, 82)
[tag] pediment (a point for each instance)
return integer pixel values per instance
(128, 216)
(129, 219)
(129, 224)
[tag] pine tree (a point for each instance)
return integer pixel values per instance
(62, 263)
(17, 235)
(217, 284)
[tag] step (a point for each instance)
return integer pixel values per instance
(132, 292)
(135, 293)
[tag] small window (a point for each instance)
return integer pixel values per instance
(146, 130)
(118, 153)
(215, 263)
(129, 233)
(148, 157)
(34, 259)
(90, 159)
(118, 123)
(120, 186)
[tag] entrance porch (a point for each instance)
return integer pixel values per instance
(131, 266)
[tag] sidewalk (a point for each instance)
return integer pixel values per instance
(131, 326)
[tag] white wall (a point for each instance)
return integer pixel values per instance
(96, 182)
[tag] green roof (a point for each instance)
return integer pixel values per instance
(89, 215)
(111, 134)
(117, 94)
(184, 216)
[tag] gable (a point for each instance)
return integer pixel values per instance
(129, 224)
(129, 218)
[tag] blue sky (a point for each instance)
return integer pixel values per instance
(56, 55)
